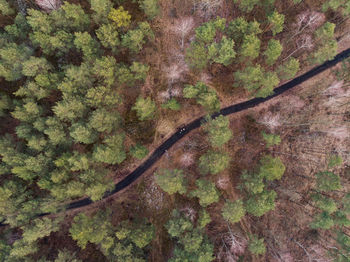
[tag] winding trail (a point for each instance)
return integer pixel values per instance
(183, 131)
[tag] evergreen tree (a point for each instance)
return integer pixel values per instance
(250, 47)
(203, 95)
(5, 8)
(82, 133)
(252, 183)
(206, 192)
(172, 104)
(273, 51)
(324, 203)
(109, 36)
(219, 131)
(213, 162)
(120, 17)
(246, 5)
(150, 7)
(203, 219)
(102, 8)
(259, 204)
(222, 52)
(271, 168)
(171, 181)
(145, 108)
(233, 211)
(256, 245)
(289, 69)
(271, 139)
(327, 181)
(323, 221)
(138, 151)
(178, 224)
(276, 21)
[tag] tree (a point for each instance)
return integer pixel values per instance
(252, 183)
(233, 211)
(35, 65)
(271, 139)
(82, 133)
(12, 57)
(334, 160)
(196, 56)
(276, 21)
(138, 151)
(5, 104)
(273, 51)
(240, 27)
(102, 9)
(192, 240)
(256, 245)
(109, 36)
(203, 219)
(145, 108)
(322, 220)
(86, 44)
(259, 204)
(203, 95)
(324, 203)
(246, 5)
(39, 228)
(172, 104)
(120, 17)
(271, 168)
(213, 162)
(150, 7)
(142, 233)
(325, 52)
(250, 47)
(90, 229)
(178, 224)
(104, 121)
(171, 181)
(250, 78)
(135, 39)
(218, 130)
(327, 181)
(206, 192)
(112, 151)
(222, 52)
(5, 8)
(66, 256)
(72, 17)
(289, 69)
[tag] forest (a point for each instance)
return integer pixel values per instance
(91, 89)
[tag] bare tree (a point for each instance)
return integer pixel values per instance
(182, 28)
(209, 7)
(304, 42)
(48, 5)
(271, 121)
(308, 20)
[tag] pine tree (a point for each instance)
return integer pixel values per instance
(171, 181)
(327, 181)
(256, 245)
(218, 130)
(150, 7)
(145, 108)
(276, 21)
(271, 139)
(273, 51)
(259, 204)
(206, 192)
(271, 168)
(233, 211)
(138, 151)
(120, 17)
(109, 36)
(101, 8)
(213, 162)
(5, 8)
(289, 69)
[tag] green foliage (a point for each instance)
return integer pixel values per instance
(206, 32)
(111, 151)
(142, 234)
(323, 221)
(196, 56)
(136, 38)
(218, 130)
(337, 4)
(271, 139)
(90, 229)
(82, 133)
(171, 181)
(271, 168)
(104, 121)
(222, 52)
(256, 245)
(12, 57)
(213, 162)
(254, 79)
(206, 192)
(172, 104)
(74, 17)
(327, 181)
(138, 151)
(5, 8)
(66, 256)
(233, 211)
(109, 36)
(178, 224)
(150, 7)
(240, 27)
(191, 240)
(324, 203)
(203, 219)
(340, 218)
(335, 160)
(259, 204)
(5, 104)
(273, 51)
(252, 183)
(145, 108)
(250, 47)
(289, 69)
(102, 8)
(276, 21)
(246, 5)
(38, 229)
(120, 17)
(86, 44)
(203, 95)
